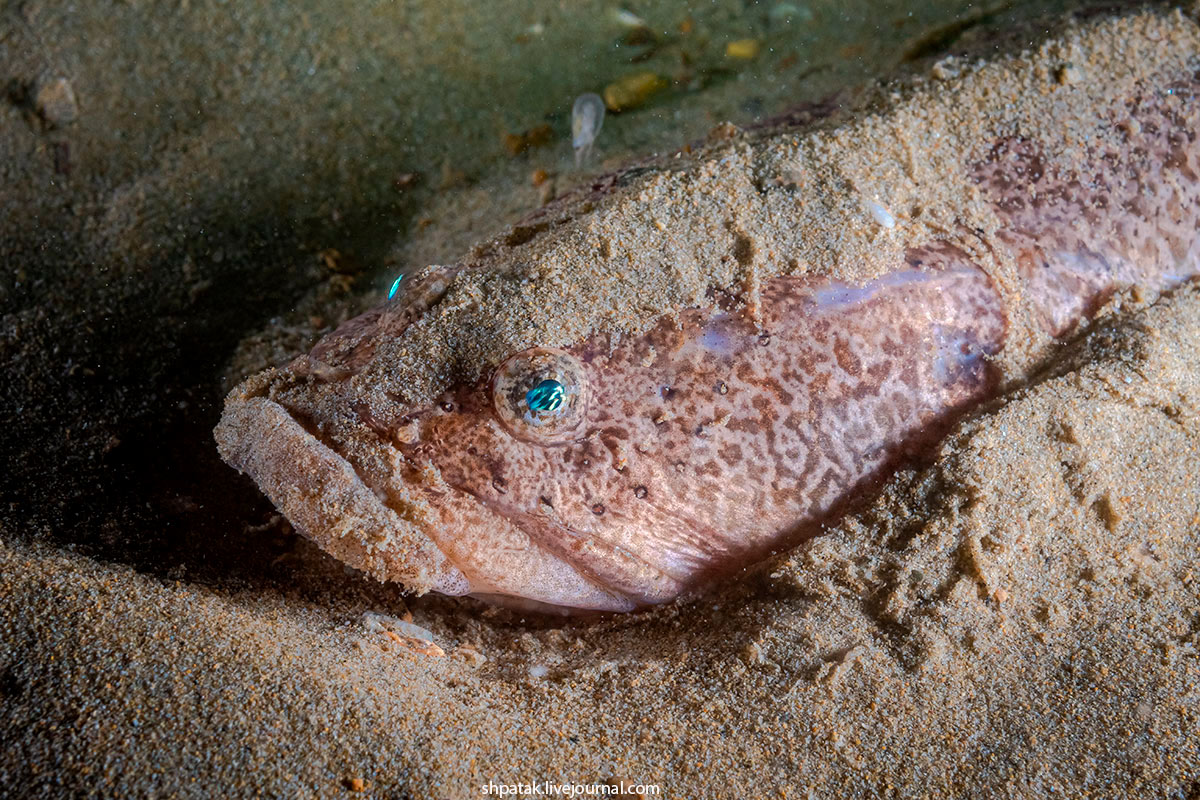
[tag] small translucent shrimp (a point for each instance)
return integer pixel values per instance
(587, 115)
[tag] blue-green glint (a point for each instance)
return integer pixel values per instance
(395, 286)
(546, 396)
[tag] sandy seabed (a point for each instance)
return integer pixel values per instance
(1017, 618)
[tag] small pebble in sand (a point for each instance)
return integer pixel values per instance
(55, 102)
(538, 671)
(627, 19)
(402, 632)
(633, 90)
(743, 49)
(1068, 74)
(946, 69)
(472, 656)
(587, 116)
(786, 13)
(537, 136)
(881, 215)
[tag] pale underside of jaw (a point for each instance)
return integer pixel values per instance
(503, 563)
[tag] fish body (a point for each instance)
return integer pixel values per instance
(633, 463)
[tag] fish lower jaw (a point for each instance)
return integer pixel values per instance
(471, 550)
(502, 562)
(321, 494)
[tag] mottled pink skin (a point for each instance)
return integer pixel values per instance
(1129, 217)
(714, 439)
(710, 442)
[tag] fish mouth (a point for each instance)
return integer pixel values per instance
(412, 528)
(322, 495)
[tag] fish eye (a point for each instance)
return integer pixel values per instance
(540, 395)
(546, 396)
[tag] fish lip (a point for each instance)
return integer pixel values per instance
(323, 496)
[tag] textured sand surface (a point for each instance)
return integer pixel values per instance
(1017, 619)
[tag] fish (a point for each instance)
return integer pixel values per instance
(703, 360)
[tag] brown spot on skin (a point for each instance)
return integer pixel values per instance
(731, 454)
(846, 359)
(782, 395)
(742, 425)
(769, 410)
(598, 509)
(879, 371)
(784, 495)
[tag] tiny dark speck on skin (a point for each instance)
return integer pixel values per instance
(598, 509)
(639, 492)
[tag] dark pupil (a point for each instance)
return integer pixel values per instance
(546, 396)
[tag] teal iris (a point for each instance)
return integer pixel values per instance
(395, 286)
(546, 396)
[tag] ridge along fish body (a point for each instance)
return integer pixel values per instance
(615, 472)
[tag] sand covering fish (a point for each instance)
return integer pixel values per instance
(745, 337)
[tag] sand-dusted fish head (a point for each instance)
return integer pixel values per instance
(495, 489)
(549, 480)
(619, 473)
(616, 475)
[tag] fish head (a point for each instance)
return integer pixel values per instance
(545, 482)
(556, 475)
